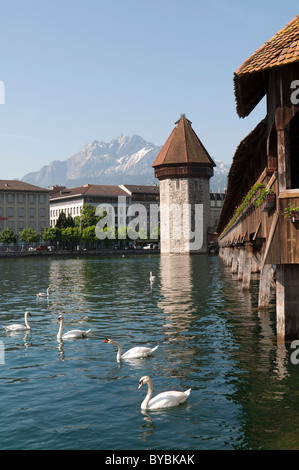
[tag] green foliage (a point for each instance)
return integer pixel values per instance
(70, 234)
(51, 235)
(29, 235)
(64, 221)
(89, 235)
(261, 197)
(7, 236)
(246, 200)
(155, 233)
(88, 217)
(290, 211)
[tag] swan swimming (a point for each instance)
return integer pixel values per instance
(152, 278)
(44, 294)
(162, 400)
(18, 327)
(71, 333)
(134, 353)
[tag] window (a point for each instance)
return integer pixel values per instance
(31, 198)
(21, 211)
(42, 212)
(10, 198)
(9, 212)
(20, 198)
(32, 212)
(41, 199)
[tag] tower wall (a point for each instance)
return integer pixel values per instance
(185, 215)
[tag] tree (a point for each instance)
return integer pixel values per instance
(89, 235)
(87, 216)
(52, 235)
(7, 236)
(64, 221)
(28, 235)
(61, 221)
(70, 235)
(155, 233)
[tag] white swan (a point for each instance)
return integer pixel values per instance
(71, 333)
(44, 294)
(134, 353)
(18, 327)
(152, 278)
(162, 400)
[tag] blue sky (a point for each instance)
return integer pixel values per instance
(77, 71)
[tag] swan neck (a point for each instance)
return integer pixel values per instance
(150, 390)
(59, 335)
(119, 350)
(26, 321)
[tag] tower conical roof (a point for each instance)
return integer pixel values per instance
(183, 147)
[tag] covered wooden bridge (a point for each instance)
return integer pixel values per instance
(259, 226)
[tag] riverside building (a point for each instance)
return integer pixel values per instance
(23, 205)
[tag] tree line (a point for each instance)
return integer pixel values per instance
(68, 232)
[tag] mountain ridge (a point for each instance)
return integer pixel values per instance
(124, 160)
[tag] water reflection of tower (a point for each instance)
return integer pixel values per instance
(176, 294)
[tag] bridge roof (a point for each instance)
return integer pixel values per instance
(251, 78)
(237, 179)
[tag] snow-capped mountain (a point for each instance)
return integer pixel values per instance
(125, 160)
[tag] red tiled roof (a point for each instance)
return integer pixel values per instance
(16, 185)
(90, 190)
(183, 147)
(250, 79)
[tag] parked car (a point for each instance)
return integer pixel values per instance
(41, 248)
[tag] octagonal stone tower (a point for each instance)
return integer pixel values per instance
(184, 169)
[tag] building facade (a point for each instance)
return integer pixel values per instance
(23, 205)
(71, 201)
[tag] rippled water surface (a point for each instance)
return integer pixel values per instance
(211, 337)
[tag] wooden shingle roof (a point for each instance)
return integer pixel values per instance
(183, 147)
(246, 151)
(251, 78)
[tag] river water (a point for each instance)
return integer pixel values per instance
(75, 395)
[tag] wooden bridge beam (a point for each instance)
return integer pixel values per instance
(235, 260)
(241, 263)
(247, 261)
(265, 286)
(287, 300)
